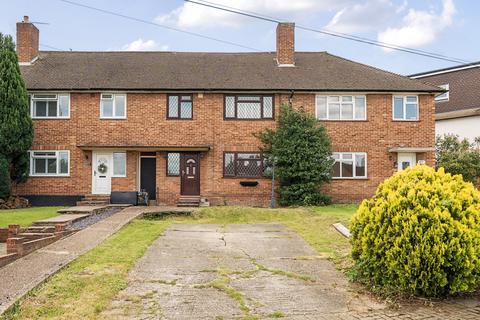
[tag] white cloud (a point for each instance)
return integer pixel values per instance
(420, 27)
(193, 15)
(364, 17)
(147, 45)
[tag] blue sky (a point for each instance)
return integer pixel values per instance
(448, 27)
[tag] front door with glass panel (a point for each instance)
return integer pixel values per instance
(190, 174)
(406, 160)
(102, 170)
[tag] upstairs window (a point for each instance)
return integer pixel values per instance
(341, 107)
(249, 107)
(405, 108)
(113, 106)
(49, 163)
(180, 107)
(50, 106)
(444, 96)
(349, 165)
(243, 165)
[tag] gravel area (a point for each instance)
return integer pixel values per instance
(3, 248)
(94, 218)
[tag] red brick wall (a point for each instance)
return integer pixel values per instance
(27, 41)
(146, 125)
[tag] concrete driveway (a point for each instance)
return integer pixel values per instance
(236, 271)
(258, 271)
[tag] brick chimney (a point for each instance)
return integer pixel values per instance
(286, 44)
(27, 41)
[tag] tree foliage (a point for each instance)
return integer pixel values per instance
(301, 150)
(459, 156)
(4, 178)
(419, 234)
(16, 130)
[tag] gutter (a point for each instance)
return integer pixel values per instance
(458, 114)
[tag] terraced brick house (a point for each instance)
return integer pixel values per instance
(181, 124)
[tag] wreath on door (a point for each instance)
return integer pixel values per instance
(102, 168)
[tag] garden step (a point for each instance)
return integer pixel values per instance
(92, 203)
(34, 236)
(40, 229)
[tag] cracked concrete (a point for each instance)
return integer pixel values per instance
(252, 272)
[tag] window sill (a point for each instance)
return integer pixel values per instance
(119, 176)
(249, 178)
(49, 176)
(351, 178)
(113, 118)
(262, 119)
(343, 120)
(50, 118)
(405, 120)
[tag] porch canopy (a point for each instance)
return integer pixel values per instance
(144, 148)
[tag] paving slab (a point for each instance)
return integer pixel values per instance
(3, 248)
(24, 274)
(81, 209)
(263, 270)
(66, 218)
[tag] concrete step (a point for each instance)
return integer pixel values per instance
(188, 204)
(96, 198)
(40, 229)
(35, 236)
(93, 203)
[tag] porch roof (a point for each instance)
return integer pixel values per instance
(411, 149)
(144, 148)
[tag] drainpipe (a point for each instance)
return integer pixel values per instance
(291, 97)
(273, 202)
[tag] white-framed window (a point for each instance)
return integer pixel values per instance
(405, 108)
(349, 165)
(113, 106)
(119, 164)
(50, 163)
(50, 105)
(341, 107)
(444, 96)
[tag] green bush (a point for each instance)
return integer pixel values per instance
(419, 234)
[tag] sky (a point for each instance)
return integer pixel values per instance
(447, 27)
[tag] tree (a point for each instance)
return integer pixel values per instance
(301, 151)
(458, 156)
(16, 130)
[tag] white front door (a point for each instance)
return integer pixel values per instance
(406, 160)
(102, 170)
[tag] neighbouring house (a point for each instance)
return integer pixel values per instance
(458, 109)
(182, 124)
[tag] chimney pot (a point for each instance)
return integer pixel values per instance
(286, 44)
(27, 41)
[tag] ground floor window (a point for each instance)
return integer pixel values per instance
(119, 164)
(173, 164)
(349, 165)
(243, 164)
(49, 163)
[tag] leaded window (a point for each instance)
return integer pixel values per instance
(248, 107)
(180, 107)
(243, 164)
(173, 164)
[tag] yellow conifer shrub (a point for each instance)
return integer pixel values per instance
(419, 234)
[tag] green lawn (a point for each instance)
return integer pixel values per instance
(26, 217)
(85, 288)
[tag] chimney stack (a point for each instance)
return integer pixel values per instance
(286, 44)
(27, 41)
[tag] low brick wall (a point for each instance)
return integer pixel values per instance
(3, 234)
(6, 259)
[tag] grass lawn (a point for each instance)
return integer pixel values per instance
(26, 217)
(85, 288)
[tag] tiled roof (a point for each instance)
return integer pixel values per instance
(314, 71)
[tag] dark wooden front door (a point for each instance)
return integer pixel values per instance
(148, 176)
(190, 174)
